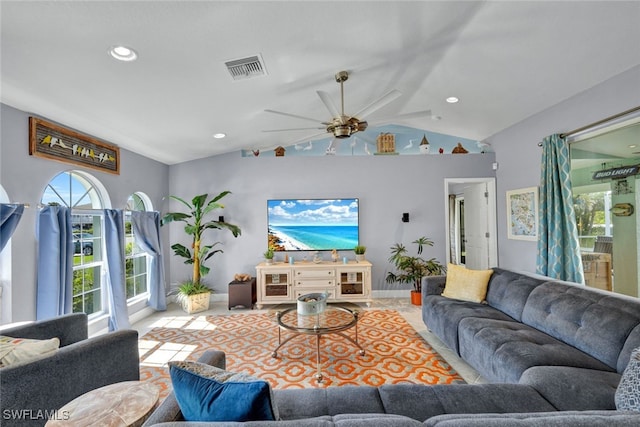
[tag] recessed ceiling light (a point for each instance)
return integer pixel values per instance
(452, 100)
(633, 146)
(219, 135)
(123, 53)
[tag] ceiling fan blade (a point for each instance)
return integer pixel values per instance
(285, 130)
(305, 139)
(326, 99)
(296, 116)
(407, 116)
(377, 104)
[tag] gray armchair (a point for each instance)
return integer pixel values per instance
(31, 392)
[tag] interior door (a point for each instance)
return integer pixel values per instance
(476, 222)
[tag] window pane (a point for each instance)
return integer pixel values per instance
(136, 258)
(86, 281)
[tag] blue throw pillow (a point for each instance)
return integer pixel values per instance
(207, 393)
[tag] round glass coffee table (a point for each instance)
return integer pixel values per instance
(333, 320)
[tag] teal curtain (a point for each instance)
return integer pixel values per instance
(558, 245)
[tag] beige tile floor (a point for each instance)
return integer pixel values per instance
(175, 317)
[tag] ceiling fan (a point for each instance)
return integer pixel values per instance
(342, 125)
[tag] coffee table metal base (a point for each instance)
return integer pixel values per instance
(318, 332)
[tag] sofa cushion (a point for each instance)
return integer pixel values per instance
(573, 389)
(595, 322)
(628, 392)
(508, 291)
(502, 350)
(543, 419)
(207, 393)
(342, 420)
(466, 284)
(421, 403)
(21, 350)
(443, 315)
(295, 404)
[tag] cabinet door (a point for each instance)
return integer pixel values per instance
(351, 283)
(276, 285)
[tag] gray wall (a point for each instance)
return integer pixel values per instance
(24, 178)
(518, 154)
(387, 186)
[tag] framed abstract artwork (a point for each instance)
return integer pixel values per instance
(522, 214)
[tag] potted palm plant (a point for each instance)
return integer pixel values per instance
(194, 294)
(411, 269)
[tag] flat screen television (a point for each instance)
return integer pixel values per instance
(313, 224)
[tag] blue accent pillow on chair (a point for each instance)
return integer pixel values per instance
(207, 393)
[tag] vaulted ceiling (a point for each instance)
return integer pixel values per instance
(505, 61)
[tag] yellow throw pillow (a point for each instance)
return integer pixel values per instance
(466, 285)
(19, 350)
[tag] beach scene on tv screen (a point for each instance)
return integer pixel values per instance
(315, 224)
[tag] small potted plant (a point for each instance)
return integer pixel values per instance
(268, 255)
(360, 250)
(411, 269)
(193, 296)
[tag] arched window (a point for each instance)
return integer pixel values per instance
(136, 259)
(85, 196)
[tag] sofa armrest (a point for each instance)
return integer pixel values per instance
(433, 285)
(49, 383)
(569, 388)
(169, 410)
(69, 328)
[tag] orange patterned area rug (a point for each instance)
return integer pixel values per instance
(394, 351)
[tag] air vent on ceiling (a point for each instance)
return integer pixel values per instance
(246, 68)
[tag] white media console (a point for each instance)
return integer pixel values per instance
(281, 282)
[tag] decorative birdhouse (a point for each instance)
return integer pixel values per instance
(386, 143)
(459, 149)
(279, 151)
(424, 145)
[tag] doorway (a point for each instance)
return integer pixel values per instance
(470, 218)
(605, 179)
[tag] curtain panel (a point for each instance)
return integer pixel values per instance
(10, 215)
(115, 278)
(146, 228)
(54, 295)
(558, 245)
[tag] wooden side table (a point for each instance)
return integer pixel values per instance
(242, 293)
(124, 404)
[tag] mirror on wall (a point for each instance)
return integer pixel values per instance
(605, 174)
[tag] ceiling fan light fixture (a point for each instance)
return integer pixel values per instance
(342, 131)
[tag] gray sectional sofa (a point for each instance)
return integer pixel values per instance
(30, 392)
(554, 350)
(570, 342)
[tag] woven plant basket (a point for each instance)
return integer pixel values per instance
(195, 303)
